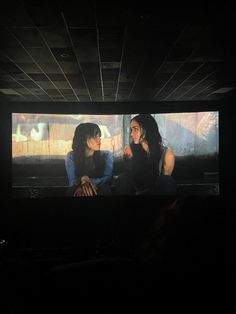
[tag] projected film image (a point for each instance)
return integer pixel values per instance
(65, 155)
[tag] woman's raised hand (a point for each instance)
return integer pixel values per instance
(128, 152)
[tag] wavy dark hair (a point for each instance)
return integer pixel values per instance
(82, 133)
(152, 135)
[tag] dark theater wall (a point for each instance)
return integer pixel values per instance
(55, 222)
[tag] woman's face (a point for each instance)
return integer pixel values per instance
(135, 131)
(94, 143)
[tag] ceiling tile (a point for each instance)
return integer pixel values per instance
(29, 68)
(12, 84)
(50, 68)
(110, 65)
(190, 67)
(45, 14)
(44, 97)
(29, 84)
(71, 98)
(110, 84)
(110, 74)
(18, 54)
(179, 53)
(62, 84)
(174, 53)
(7, 40)
(87, 54)
(45, 84)
(75, 80)
(64, 54)
(28, 37)
(10, 67)
(169, 67)
(20, 76)
(84, 98)
(67, 91)
(56, 37)
(109, 92)
(70, 67)
(84, 37)
(56, 77)
(110, 55)
(9, 91)
(37, 91)
(91, 70)
(41, 55)
(38, 77)
(53, 92)
(22, 91)
(14, 17)
(83, 16)
(95, 84)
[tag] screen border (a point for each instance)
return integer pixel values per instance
(96, 108)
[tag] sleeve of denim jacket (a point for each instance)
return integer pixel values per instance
(108, 169)
(70, 169)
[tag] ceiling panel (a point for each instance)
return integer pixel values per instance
(13, 14)
(64, 54)
(87, 54)
(41, 55)
(83, 16)
(116, 51)
(7, 39)
(10, 68)
(55, 37)
(50, 67)
(84, 37)
(62, 84)
(28, 37)
(38, 77)
(29, 68)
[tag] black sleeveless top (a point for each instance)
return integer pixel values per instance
(144, 171)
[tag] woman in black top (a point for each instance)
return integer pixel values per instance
(149, 164)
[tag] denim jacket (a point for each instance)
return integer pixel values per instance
(107, 174)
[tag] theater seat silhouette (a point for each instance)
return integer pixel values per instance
(95, 277)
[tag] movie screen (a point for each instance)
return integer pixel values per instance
(73, 155)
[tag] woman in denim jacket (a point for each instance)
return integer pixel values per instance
(89, 169)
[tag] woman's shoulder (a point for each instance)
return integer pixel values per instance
(167, 150)
(106, 153)
(169, 157)
(70, 155)
(169, 153)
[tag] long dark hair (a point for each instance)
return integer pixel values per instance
(152, 135)
(82, 133)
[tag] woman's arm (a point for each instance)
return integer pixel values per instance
(128, 158)
(169, 162)
(84, 184)
(74, 180)
(70, 169)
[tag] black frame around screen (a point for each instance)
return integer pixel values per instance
(94, 108)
